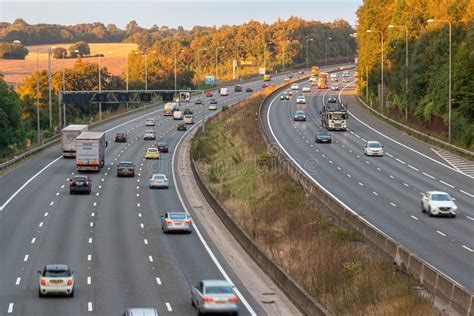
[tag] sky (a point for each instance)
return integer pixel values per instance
(175, 13)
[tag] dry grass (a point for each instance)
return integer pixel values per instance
(334, 265)
(15, 71)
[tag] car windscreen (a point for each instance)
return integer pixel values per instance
(440, 197)
(374, 145)
(126, 164)
(158, 177)
(177, 216)
(300, 113)
(219, 290)
(323, 134)
(150, 132)
(152, 150)
(57, 273)
(120, 134)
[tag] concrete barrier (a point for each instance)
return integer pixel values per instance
(458, 297)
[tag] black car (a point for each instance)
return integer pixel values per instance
(290, 76)
(162, 147)
(237, 88)
(126, 168)
(301, 72)
(181, 127)
(299, 116)
(323, 137)
(284, 96)
(187, 112)
(248, 89)
(120, 138)
(332, 98)
(198, 101)
(213, 101)
(80, 184)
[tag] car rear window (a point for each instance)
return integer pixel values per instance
(177, 216)
(162, 144)
(57, 273)
(80, 178)
(323, 134)
(158, 177)
(126, 164)
(219, 290)
(152, 150)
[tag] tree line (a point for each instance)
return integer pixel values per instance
(428, 60)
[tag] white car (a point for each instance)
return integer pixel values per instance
(212, 107)
(159, 181)
(301, 100)
(373, 148)
(437, 203)
(149, 135)
(188, 119)
(56, 279)
(306, 89)
(334, 87)
(286, 79)
(150, 122)
(295, 87)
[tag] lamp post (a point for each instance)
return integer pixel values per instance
(199, 65)
(146, 70)
(37, 98)
(347, 48)
(64, 85)
(381, 66)
(327, 39)
(449, 73)
(307, 51)
(391, 26)
(100, 87)
(217, 59)
(49, 87)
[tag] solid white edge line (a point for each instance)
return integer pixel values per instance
(203, 241)
(467, 248)
(333, 196)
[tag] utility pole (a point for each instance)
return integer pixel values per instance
(38, 131)
(49, 88)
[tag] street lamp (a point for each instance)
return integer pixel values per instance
(100, 87)
(199, 65)
(49, 87)
(381, 64)
(37, 97)
(327, 39)
(64, 88)
(217, 59)
(307, 52)
(391, 26)
(347, 48)
(449, 74)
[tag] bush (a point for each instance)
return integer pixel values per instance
(12, 51)
(82, 47)
(59, 52)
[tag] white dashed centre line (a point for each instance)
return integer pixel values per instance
(89, 307)
(89, 280)
(466, 193)
(40, 224)
(375, 193)
(145, 241)
(33, 240)
(52, 203)
(393, 204)
(400, 161)
(45, 214)
(89, 257)
(428, 175)
(414, 217)
(168, 307)
(447, 184)
(471, 218)
(158, 281)
(18, 280)
(25, 258)
(441, 233)
(410, 166)
(90, 240)
(467, 248)
(150, 258)
(361, 184)
(141, 225)
(405, 184)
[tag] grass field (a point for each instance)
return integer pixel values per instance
(334, 265)
(15, 71)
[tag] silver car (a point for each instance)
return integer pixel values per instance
(159, 181)
(437, 203)
(141, 312)
(149, 135)
(214, 296)
(176, 221)
(150, 122)
(373, 148)
(56, 279)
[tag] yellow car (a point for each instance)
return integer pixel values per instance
(152, 153)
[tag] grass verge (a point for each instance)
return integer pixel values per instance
(332, 264)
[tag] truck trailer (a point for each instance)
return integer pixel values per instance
(68, 139)
(90, 151)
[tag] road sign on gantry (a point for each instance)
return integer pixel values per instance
(184, 96)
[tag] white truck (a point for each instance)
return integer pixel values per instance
(90, 151)
(68, 139)
(224, 91)
(178, 115)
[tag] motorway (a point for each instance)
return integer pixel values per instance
(112, 238)
(385, 191)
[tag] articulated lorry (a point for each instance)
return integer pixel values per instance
(90, 151)
(169, 108)
(68, 139)
(334, 116)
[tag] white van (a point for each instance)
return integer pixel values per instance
(178, 115)
(188, 119)
(224, 91)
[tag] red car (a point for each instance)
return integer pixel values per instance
(209, 94)
(162, 147)
(264, 86)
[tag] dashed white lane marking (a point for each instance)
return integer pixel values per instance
(416, 169)
(18, 280)
(405, 184)
(10, 308)
(139, 214)
(447, 184)
(375, 193)
(92, 214)
(33, 240)
(89, 306)
(102, 179)
(441, 233)
(361, 184)
(338, 168)
(90, 240)
(62, 187)
(428, 175)
(89, 280)
(45, 214)
(89, 257)
(25, 258)
(391, 177)
(97, 194)
(158, 281)
(168, 307)
(471, 218)
(378, 169)
(138, 204)
(100, 187)
(467, 248)
(145, 241)
(95, 203)
(141, 225)
(57, 193)
(389, 154)
(400, 161)
(138, 194)
(40, 224)
(414, 217)
(105, 174)
(393, 204)
(150, 258)
(462, 191)
(348, 175)
(52, 203)
(92, 224)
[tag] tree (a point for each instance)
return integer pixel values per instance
(59, 52)
(82, 47)
(10, 124)
(13, 51)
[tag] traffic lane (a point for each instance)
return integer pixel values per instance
(289, 139)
